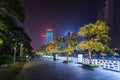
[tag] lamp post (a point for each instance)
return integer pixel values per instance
(15, 51)
(21, 48)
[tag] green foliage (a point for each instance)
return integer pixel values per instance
(24, 56)
(9, 59)
(11, 12)
(52, 47)
(90, 44)
(70, 60)
(91, 65)
(6, 59)
(3, 29)
(49, 48)
(59, 40)
(68, 50)
(96, 36)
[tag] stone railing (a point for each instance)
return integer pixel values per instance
(106, 64)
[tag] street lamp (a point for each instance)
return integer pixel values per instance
(15, 51)
(21, 48)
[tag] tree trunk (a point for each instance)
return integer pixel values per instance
(114, 57)
(103, 57)
(90, 57)
(67, 57)
(56, 55)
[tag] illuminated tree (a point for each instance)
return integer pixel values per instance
(96, 37)
(67, 45)
(71, 44)
(114, 52)
(51, 48)
(60, 41)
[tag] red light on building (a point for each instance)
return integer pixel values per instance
(33, 51)
(43, 35)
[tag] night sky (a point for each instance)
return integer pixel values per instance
(61, 15)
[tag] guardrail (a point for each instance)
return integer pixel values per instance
(106, 64)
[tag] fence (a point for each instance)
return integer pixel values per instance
(106, 64)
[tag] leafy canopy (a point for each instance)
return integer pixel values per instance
(96, 36)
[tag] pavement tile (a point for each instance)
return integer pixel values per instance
(53, 70)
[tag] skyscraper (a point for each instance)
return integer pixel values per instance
(109, 12)
(49, 36)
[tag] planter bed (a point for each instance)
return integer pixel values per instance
(90, 66)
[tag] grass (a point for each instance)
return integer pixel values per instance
(11, 71)
(67, 61)
(95, 65)
(91, 65)
(57, 59)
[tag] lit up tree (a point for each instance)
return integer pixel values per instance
(67, 45)
(115, 53)
(96, 37)
(52, 48)
(71, 43)
(60, 41)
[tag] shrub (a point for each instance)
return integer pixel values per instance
(9, 60)
(91, 65)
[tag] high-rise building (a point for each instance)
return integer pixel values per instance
(101, 9)
(109, 12)
(70, 35)
(49, 36)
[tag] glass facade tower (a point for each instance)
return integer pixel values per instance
(49, 36)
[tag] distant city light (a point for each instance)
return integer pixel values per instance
(43, 35)
(33, 51)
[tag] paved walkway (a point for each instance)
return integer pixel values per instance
(53, 70)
